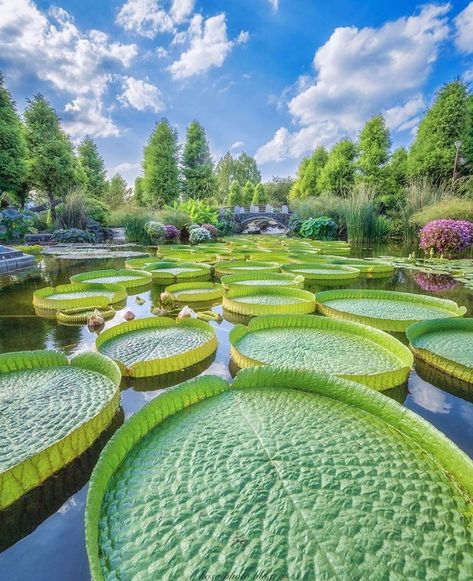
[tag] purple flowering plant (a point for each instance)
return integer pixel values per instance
(171, 233)
(446, 238)
(211, 229)
(435, 282)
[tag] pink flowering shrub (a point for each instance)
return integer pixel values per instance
(446, 237)
(171, 233)
(211, 230)
(435, 282)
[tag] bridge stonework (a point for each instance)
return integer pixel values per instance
(243, 216)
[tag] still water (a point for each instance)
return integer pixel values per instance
(42, 536)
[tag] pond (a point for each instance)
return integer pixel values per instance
(43, 537)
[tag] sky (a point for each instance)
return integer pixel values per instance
(275, 78)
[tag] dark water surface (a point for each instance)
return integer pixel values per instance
(42, 535)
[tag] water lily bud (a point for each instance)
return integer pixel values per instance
(187, 313)
(129, 316)
(96, 319)
(166, 299)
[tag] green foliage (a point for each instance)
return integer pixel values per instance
(197, 166)
(134, 222)
(155, 231)
(235, 195)
(373, 144)
(14, 225)
(51, 162)
(74, 235)
(324, 205)
(362, 219)
(322, 228)
(295, 193)
(118, 192)
(310, 180)
(92, 172)
(278, 189)
(98, 210)
(161, 174)
(200, 211)
(13, 163)
(199, 236)
(449, 208)
(448, 120)
(395, 173)
(248, 194)
(242, 170)
(177, 218)
(138, 191)
(338, 174)
(259, 197)
(72, 213)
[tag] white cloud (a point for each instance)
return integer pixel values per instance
(208, 46)
(144, 17)
(429, 397)
(360, 72)
(181, 9)
(274, 4)
(125, 167)
(85, 115)
(237, 145)
(406, 116)
(161, 52)
(464, 30)
(141, 95)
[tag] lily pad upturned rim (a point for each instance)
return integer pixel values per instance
(42, 301)
(364, 266)
(377, 381)
(305, 306)
(449, 366)
(238, 266)
(449, 457)
(288, 279)
(210, 291)
(18, 479)
(393, 325)
(140, 277)
(161, 365)
(79, 316)
(201, 270)
(342, 272)
(139, 263)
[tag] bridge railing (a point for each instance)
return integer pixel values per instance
(253, 209)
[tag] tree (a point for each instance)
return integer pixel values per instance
(259, 197)
(118, 192)
(197, 166)
(248, 192)
(374, 144)
(13, 165)
(224, 172)
(92, 169)
(51, 161)
(138, 191)
(309, 182)
(235, 194)
(278, 189)
(161, 173)
(246, 170)
(338, 174)
(296, 191)
(396, 172)
(447, 121)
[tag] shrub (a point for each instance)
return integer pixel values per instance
(362, 217)
(155, 231)
(97, 210)
(199, 211)
(74, 235)
(446, 237)
(171, 233)
(199, 236)
(133, 219)
(14, 225)
(313, 207)
(212, 230)
(226, 226)
(449, 209)
(192, 227)
(295, 224)
(322, 228)
(72, 213)
(177, 218)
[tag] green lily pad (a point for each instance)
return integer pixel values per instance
(284, 475)
(386, 310)
(72, 296)
(322, 271)
(262, 279)
(349, 350)
(241, 266)
(172, 271)
(50, 412)
(157, 345)
(127, 278)
(195, 291)
(254, 301)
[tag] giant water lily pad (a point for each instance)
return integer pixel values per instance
(261, 300)
(446, 344)
(241, 266)
(283, 475)
(386, 310)
(262, 279)
(166, 272)
(349, 350)
(72, 296)
(50, 412)
(153, 346)
(322, 271)
(127, 278)
(194, 292)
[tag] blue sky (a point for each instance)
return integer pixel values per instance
(275, 78)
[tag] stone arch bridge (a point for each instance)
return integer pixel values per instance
(244, 216)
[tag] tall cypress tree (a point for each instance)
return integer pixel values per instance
(92, 169)
(161, 173)
(309, 182)
(51, 162)
(247, 193)
(117, 192)
(374, 144)
(13, 166)
(224, 174)
(338, 174)
(197, 166)
(138, 191)
(447, 121)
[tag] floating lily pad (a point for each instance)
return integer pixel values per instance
(446, 344)
(191, 292)
(72, 296)
(346, 349)
(322, 271)
(262, 279)
(166, 272)
(257, 300)
(50, 412)
(241, 266)
(271, 477)
(386, 310)
(127, 278)
(81, 315)
(139, 263)
(77, 253)
(153, 346)
(366, 267)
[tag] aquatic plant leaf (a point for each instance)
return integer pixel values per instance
(195, 291)
(127, 278)
(262, 300)
(78, 295)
